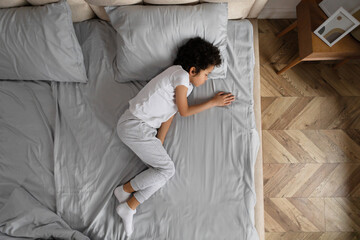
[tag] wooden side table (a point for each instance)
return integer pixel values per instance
(311, 47)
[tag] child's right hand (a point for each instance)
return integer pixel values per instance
(223, 99)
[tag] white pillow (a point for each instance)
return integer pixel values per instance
(149, 36)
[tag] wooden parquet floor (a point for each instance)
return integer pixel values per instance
(311, 142)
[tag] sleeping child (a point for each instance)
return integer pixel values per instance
(144, 125)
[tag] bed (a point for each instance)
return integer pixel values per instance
(61, 158)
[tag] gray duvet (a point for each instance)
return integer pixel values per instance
(61, 158)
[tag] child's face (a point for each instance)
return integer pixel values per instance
(201, 77)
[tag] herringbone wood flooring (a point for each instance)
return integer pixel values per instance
(311, 142)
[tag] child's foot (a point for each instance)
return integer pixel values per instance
(121, 195)
(126, 214)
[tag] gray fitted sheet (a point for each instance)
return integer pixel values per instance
(60, 153)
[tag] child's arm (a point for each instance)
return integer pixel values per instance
(162, 131)
(220, 99)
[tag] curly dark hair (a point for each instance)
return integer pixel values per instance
(197, 53)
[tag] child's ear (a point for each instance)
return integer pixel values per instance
(192, 71)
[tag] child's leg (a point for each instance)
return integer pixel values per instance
(141, 139)
(133, 202)
(149, 181)
(128, 188)
(143, 194)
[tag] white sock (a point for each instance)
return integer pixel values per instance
(126, 214)
(121, 195)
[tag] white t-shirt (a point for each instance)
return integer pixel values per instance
(155, 103)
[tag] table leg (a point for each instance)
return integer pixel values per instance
(287, 29)
(290, 65)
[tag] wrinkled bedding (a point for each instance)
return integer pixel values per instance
(61, 158)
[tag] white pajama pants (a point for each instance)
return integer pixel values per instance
(141, 138)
